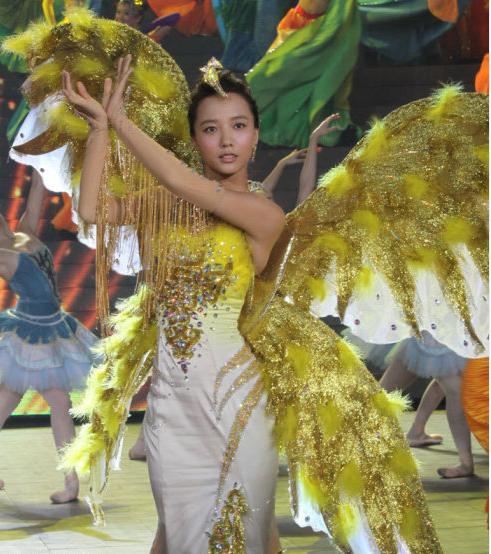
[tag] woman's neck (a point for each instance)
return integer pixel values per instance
(238, 181)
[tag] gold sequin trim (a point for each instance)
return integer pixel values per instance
(239, 358)
(228, 535)
(238, 426)
(242, 379)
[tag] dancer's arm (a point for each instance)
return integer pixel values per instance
(95, 154)
(259, 217)
(295, 156)
(309, 170)
(29, 221)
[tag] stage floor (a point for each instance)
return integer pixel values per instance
(30, 524)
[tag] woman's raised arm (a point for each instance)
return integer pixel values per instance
(96, 149)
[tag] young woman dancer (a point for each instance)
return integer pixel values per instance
(41, 346)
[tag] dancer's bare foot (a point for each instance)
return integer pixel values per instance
(69, 494)
(421, 441)
(456, 472)
(137, 452)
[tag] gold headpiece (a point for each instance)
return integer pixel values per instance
(211, 75)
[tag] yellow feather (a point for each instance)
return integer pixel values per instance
(299, 358)
(410, 527)
(442, 101)
(391, 404)
(375, 142)
(347, 355)
(31, 39)
(65, 121)
(20, 44)
(345, 523)
(482, 152)
(80, 17)
(415, 186)
(402, 463)
(154, 82)
(334, 242)
(108, 30)
(88, 67)
(287, 428)
(457, 230)
(364, 280)
(330, 419)
(350, 480)
(338, 181)
(423, 258)
(49, 72)
(313, 488)
(368, 221)
(317, 288)
(79, 454)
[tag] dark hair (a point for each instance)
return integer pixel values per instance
(231, 82)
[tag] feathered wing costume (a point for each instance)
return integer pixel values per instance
(351, 471)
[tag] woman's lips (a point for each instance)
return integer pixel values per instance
(228, 158)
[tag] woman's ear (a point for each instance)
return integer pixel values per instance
(256, 136)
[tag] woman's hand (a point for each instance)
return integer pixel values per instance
(115, 103)
(83, 103)
(294, 157)
(325, 127)
(110, 109)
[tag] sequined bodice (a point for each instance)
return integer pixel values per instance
(207, 292)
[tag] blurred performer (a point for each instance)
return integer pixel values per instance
(41, 346)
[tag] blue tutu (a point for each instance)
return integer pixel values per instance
(41, 346)
(428, 358)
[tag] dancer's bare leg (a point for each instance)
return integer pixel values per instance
(396, 376)
(63, 432)
(9, 400)
(158, 546)
(432, 397)
(451, 385)
(137, 451)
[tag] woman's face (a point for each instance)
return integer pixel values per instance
(224, 134)
(127, 15)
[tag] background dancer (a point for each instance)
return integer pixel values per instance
(41, 346)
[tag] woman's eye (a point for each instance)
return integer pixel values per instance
(239, 125)
(209, 130)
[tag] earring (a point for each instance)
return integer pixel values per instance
(253, 157)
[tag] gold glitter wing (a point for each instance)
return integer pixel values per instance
(401, 224)
(403, 200)
(340, 434)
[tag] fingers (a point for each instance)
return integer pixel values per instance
(124, 72)
(82, 90)
(66, 84)
(106, 95)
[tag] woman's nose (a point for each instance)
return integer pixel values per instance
(225, 139)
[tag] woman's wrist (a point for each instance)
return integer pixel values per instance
(99, 133)
(118, 121)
